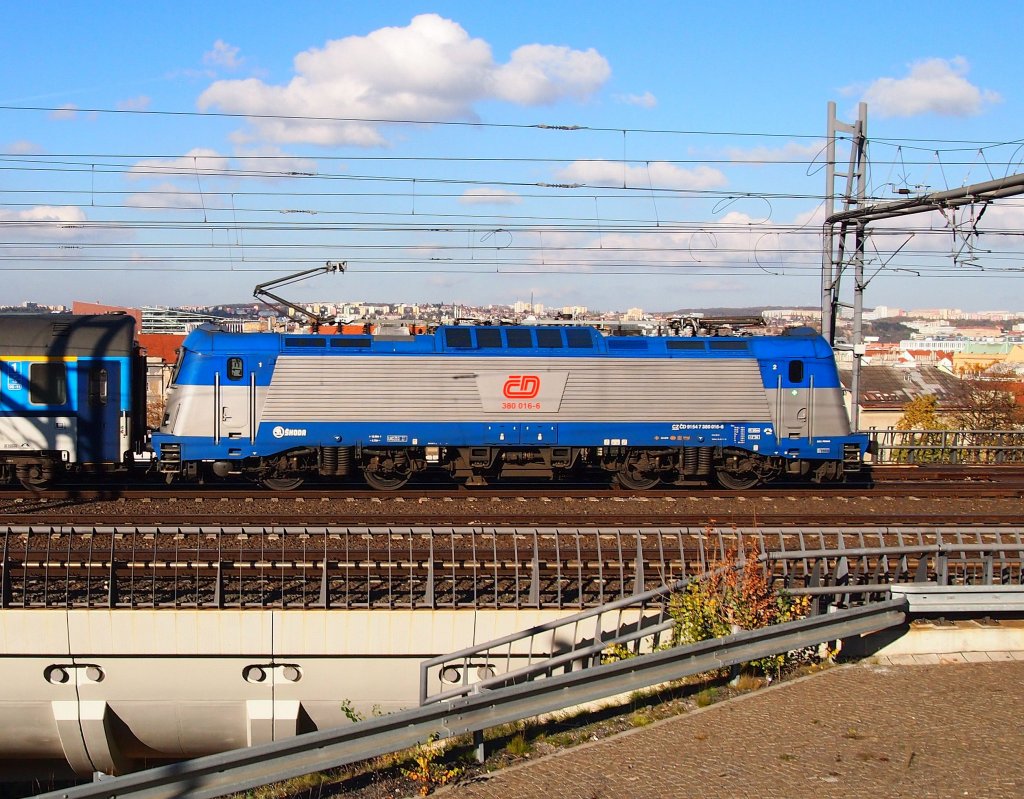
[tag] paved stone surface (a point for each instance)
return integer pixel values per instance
(950, 730)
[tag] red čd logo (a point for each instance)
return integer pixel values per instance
(521, 386)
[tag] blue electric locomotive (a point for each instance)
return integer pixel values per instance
(72, 395)
(484, 402)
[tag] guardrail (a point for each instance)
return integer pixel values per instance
(241, 770)
(930, 598)
(962, 447)
(860, 568)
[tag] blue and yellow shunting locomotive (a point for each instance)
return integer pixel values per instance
(487, 402)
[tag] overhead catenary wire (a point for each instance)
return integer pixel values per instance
(228, 203)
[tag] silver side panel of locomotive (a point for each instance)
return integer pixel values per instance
(445, 389)
(433, 389)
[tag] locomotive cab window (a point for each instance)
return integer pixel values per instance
(235, 370)
(48, 384)
(796, 371)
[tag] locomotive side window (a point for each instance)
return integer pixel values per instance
(685, 344)
(304, 341)
(48, 383)
(518, 338)
(796, 371)
(579, 338)
(351, 343)
(458, 337)
(489, 337)
(235, 370)
(549, 338)
(734, 345)
(98, 386)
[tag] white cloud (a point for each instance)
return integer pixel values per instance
(223, 55)
(539, 74)
(273, 162)
(199, 160)
(645, 100)
(489, 196)
(657, 174)
(45, 222)
(168, 195)
(790, 151)
(934, 86)
(65, 112)
(429, 70)
(63, 214)
(140, 103)
(22, 147)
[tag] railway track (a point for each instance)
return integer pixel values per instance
(1000, 480)
(994, 501)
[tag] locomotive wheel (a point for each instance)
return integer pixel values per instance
(635, 479)
(35, 483)
(35, 477)
(281, 483)
(737, 481)
(636, 482)
(389, 482)
(633, 475)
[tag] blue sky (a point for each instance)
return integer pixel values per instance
(180, 153)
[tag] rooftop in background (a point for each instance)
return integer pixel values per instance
(160, 320)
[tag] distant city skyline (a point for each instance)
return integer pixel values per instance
(611, 157)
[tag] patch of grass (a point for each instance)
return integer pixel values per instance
(562, 739)
(749, 682)
(640, 720)
(706, 697)
(518, 746)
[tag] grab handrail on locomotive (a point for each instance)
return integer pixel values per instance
(479, 402)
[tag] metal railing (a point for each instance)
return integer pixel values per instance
(858, 568)
(425, 568)
(961, 447)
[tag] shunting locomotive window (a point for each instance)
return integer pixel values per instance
(98, 386)
(235, 370)
(796, 371)
(579, 338)
(48, 383)
(488, 337)
(458, 337)
(519, 338)
(549, 338)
